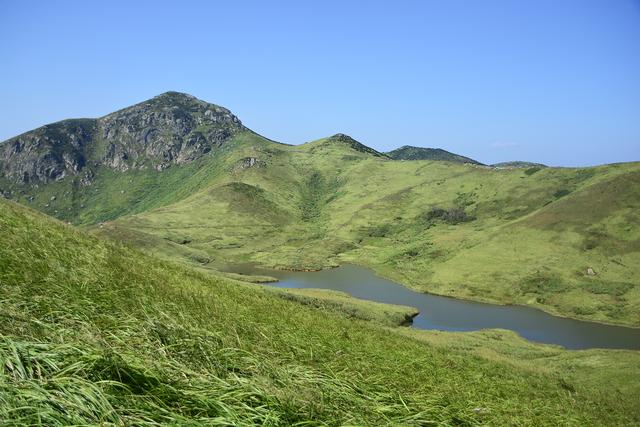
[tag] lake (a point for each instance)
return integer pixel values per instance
(450, 314)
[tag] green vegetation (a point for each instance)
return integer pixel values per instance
(408, 152)
(532, 170)
(518, 164)
(451, 216)
(113, 193)
(446, 228)
(129, 320)
(449, 227)
(344, 304)
(94, 332)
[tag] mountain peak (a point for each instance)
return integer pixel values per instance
(173, 97)
(408, 152)
(174, 93)
(173, 100)
(171, 128)
(342, 137)
(354, 144)
(518, 164)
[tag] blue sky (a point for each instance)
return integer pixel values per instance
(556, 82)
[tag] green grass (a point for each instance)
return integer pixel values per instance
(353, 308)
(419, 153)
(112, 193)
(460, 230)
(467, 231)
(94, 332)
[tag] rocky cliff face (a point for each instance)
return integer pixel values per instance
(48, 153)
(172, 128)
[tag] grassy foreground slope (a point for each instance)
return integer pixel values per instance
(565, 240)
(94, 332)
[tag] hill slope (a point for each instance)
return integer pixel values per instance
(95, 333)
(451, 229)
(408, 152)
(89, 170)
(518, 164)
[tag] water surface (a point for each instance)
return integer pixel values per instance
(450, 314)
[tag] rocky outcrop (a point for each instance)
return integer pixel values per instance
(48, 153)
(248, 162)
(173, 128)
(170, 129)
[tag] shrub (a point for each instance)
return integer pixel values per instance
(379, 230)
(609, 288)
(450, 216)
(531, 171)
(584, 311)
(411, 253)
(542, 284)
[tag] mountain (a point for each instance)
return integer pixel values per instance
(518, 164)
(565, 240)
(408, 152)
(88, 170)
(172, 128)
(346, 140)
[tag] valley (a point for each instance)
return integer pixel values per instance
(529, 235)
(95, 332)
(432, 312)
(120, 235)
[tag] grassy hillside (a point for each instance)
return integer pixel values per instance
(113, 193)
(94, 332)
(185, 180)
(562, 239)
(518, 164)
(408, 152)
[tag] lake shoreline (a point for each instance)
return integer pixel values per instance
(489, 315)
(546, 309)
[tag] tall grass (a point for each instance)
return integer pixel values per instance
(92, 332)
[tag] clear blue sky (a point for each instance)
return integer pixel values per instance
(548, 81)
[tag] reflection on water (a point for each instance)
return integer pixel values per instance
(450, 314)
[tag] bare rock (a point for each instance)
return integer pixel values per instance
(170, 129)
(249, 162)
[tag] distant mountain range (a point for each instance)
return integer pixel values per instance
(170, 129)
